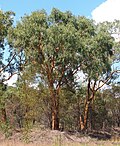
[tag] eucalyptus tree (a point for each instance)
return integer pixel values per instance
(6, 21)
(97, 53)
(51, 44)
(56, 46)
(6, 59)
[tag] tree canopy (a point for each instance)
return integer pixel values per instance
(52, 49)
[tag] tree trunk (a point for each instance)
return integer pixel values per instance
(3, 116)
(54, 92)
(91, 123)
(83, 121)
(55, 110)
(89, 98)
(55, 119)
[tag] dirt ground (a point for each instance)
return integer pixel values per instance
(39, 137)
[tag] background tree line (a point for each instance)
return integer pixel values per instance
(48, 54)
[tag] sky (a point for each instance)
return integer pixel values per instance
(99, 10)
(77, 7)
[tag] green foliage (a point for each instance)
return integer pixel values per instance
(112, 99)
(5, 126)
(6, 21)
(45, 38)
(6, 129)
(99, 114)
(52, 49)
(114, 29)
(60, 43)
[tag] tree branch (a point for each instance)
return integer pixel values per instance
(116, 71)
(8, 63)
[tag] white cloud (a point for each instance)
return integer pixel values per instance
(12, 80)
(107, 11)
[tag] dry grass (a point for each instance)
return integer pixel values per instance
(39, 137)
(95, 143)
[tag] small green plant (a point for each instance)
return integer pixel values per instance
(58, 141)
(25, 137)
(6, 129)
(26, 130)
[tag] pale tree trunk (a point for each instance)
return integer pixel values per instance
(81, 123)
(83, 120)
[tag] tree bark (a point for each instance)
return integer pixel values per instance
(89, 98)
(55, 112)
(55, 119)
(3, 116)
(54, 109)
(54, 92)
(83, 121)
